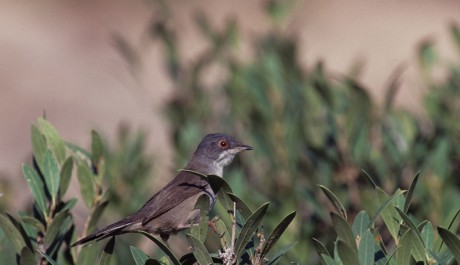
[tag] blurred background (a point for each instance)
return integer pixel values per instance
(321, 89)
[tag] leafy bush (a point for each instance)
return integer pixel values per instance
(46, 233)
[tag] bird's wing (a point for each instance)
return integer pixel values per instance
(184, 186)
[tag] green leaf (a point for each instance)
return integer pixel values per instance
(66, 174)
(274, 260)
(366, 249)
(51, 174)
(33, 222)
(79, 150)
(361, 223)
(414, 229)
(410, 192)
(162, 246)
(70, 204)
(36, 186)
(249, 228)
(138, 255)
(410, 246)
(241, 206)
(48, 258)
(347, 254)
(107, 253)
(389, 215)
(328, 260)
(12, 232)
(427, 235)
(55, 227)
(343, 230)
(221, 189)
(335, 201)
(370, 179)
(85, 178)
(38, 146)
(452, 242)
(200, 231)
(27, 257)
(53, 139)
(199, 251)
(320, 248)
(276, 234)
(97, 148)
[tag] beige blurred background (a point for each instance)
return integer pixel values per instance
(60, 57)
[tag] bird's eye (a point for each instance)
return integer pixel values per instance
(223, 144)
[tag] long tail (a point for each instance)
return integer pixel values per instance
(111, 230)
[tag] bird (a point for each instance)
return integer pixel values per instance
(172, 208)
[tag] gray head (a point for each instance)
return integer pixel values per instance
(214, 152)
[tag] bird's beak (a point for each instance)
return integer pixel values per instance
(244, 147)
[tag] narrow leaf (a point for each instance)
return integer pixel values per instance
(33, 222)
(199, 251)
(200, 231)
(361, 223)
(107, 253)
(27, 257)
(249, 228)
(343, 230)
(48, 258)
(53, 139)
(66, 174)
(452, 242)
(55, 226)
(38, 146)
(85, 178)
(97, 148)
(410, 246)
(138, 255)
(221, 189)
(51, 174)
(410, 192)
(366, 249)
(428, 235)
(347, 254)
(320, 248)
(370, 179)
(78, 149)
(162, 246)
(70, 204)
(36, 186)
(12, 233)
(411, 225)
(389, 214)
(335, 201)
(276, 234)
(274, 260)
(241, 206)
(224, 234)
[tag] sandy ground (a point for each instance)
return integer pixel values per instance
(59, 57)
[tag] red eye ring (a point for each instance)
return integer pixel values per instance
(223, 144)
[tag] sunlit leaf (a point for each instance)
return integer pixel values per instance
(53, 139)
(51, 174)
(199, 251)
(36, 186)
(335, 201)
(366, 248)
(361, 223)
(85, 178)
(343, 230)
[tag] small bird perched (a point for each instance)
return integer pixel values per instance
(172, 209)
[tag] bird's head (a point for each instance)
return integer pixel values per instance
(214, 152)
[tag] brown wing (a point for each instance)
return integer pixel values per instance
(183, 186)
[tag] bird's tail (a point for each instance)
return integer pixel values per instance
(111, 230)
